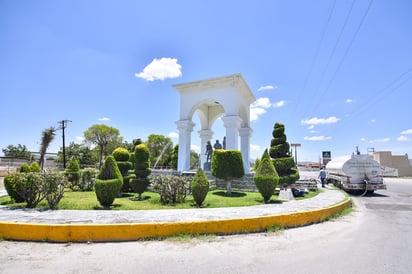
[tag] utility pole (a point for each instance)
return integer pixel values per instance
(63, 125)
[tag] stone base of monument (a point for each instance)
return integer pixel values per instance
(206, 166)
(286, 195)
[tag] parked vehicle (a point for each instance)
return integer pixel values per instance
(358, 173)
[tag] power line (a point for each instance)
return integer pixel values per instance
(333, 52)
(315, 57)
(393, 86)
(347, 50)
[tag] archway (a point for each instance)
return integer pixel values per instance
(228, 97)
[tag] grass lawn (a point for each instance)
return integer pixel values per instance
(151, 200)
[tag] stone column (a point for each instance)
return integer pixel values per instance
(185, 128)
(245, 134)
(232, 124)
(205, 136)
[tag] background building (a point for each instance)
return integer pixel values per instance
(399, 162)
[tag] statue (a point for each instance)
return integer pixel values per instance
(209, 151)
(224, 142)
(217, 145)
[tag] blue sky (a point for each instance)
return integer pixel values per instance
(338, 74)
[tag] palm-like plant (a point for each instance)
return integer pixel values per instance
(47, 137)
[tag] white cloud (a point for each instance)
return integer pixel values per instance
(80, 138)
(255, 113)
(408, 131)
(373, 120)
(160, 69)
(384, 140)
(279, 104)
(259, 107)
(348, 101)
(261, 102)
(317, 138)
(363, 139)
(402, 138)
(267, 88)
(311, 127)
(320, 121)
(196, 148)
(104, 119)
(255, 147)
(173, 135)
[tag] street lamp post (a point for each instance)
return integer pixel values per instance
(296, 152)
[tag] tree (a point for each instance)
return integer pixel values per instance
(19, 151)
(47, 137)
(84, 155)
(266, 178)
(160, 148)
(227, 165)
(280, 154)
(105, 137)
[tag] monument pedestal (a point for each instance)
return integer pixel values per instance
(286, 195)
(206, 166)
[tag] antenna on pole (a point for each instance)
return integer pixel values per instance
(63, 125)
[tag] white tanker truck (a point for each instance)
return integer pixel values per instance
(358, 173)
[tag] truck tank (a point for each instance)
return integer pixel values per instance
(359, 172)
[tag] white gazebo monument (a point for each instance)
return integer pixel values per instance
(228, 97)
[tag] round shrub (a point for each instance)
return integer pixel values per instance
(25, 168)
(200, 187)
(11, 184)
(35, 167)
(121, 154)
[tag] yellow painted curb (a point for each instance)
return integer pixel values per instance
(135, 231)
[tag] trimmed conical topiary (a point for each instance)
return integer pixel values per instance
(266, 178)
(108, 182)
(280, 153)
(200, 187)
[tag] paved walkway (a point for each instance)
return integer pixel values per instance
(325, 199)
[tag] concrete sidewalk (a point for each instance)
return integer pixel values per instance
(325, 199)
(119, 225)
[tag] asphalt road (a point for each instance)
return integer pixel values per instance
(375, 238)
